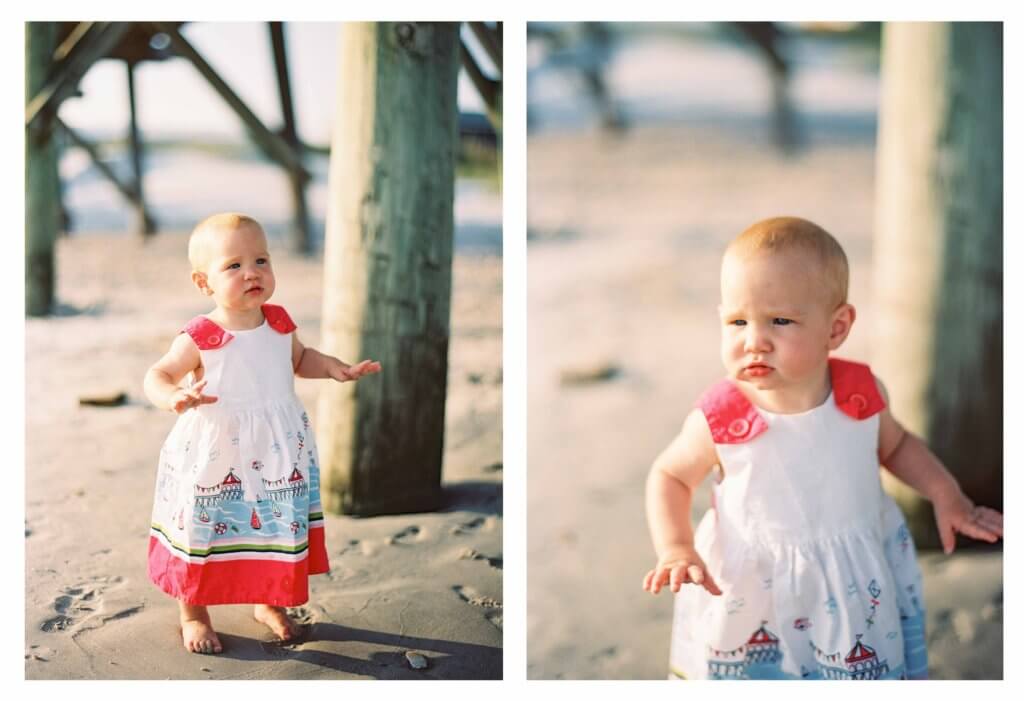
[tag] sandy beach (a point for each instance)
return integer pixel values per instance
(625, 236)
(428, 583)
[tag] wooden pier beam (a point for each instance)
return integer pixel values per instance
(273, 145)
(300, 234)
(42, 186)
(143, 223)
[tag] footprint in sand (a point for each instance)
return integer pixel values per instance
(473, 597)
(473, 525)
(407, 536)
(471, 554)
(308, 615)
(83, 602)
(40, 654)
(351, 546)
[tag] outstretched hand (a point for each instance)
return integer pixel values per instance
(190, 397)
(958, 514)
(354, 372)
(678, 568)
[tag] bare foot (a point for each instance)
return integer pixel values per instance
(275, 618)
(196, 629)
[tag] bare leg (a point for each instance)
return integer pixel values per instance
(275, 618)
(197, 632)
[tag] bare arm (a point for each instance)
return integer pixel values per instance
(907, 457)
(161, 383)
(312, 364)
(675, 474)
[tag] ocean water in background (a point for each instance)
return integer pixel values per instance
(182, 185)
(699, 73)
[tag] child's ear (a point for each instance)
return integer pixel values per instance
(199, 280)
(842, 322)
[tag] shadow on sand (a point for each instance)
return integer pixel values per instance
(446, 660)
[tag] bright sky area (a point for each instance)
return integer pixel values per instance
(173, 99)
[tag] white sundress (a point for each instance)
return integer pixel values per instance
(236, 510)
(816, 564)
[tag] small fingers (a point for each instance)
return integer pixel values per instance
(647, 580)
(990, 519)
(978, 532)
(678, 577)
(947, 534)
(660, 579)
(711, 586)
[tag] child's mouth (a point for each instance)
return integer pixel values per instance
(758, 370)
(254, 290)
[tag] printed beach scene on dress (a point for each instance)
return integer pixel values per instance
(237, 515)
(816, 563)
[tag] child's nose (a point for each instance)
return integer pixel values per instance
(756, 340)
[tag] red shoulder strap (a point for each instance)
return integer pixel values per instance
(206, 334)
(278, 318)
(854, 389)
(731, 417)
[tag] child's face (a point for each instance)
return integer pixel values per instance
(238, 274)
(778, 321)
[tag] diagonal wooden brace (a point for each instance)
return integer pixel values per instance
(488, 39)
(93, 44)
(487, 88)
(276, 148)
(129, 192)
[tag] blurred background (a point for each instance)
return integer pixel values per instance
(650, 147)
(187, 128)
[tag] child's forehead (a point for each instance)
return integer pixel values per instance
(239, 238)
(788, 279)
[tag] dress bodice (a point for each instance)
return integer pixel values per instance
(246, 368)
(798, 477)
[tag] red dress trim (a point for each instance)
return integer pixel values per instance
(854, 389)
(206, 334)
(278, 318)
(733, 418)
(243, 581)
(209, 336)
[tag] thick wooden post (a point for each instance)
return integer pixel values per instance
(938, 250)
(387, 266)
(42, 186)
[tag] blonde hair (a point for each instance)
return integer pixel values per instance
(199, 240)
(782, 234)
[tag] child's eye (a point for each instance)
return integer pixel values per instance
(779, 321)
(738, 322)
(233, 265)
(261, 261)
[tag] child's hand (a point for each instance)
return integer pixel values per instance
(956, 513)
(354, 372)
(678, 567)
(188, 398)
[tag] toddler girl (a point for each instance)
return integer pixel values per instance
(804, 567)
(236, 514)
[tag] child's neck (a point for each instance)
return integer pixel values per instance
(236, 320)
(794, 399)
